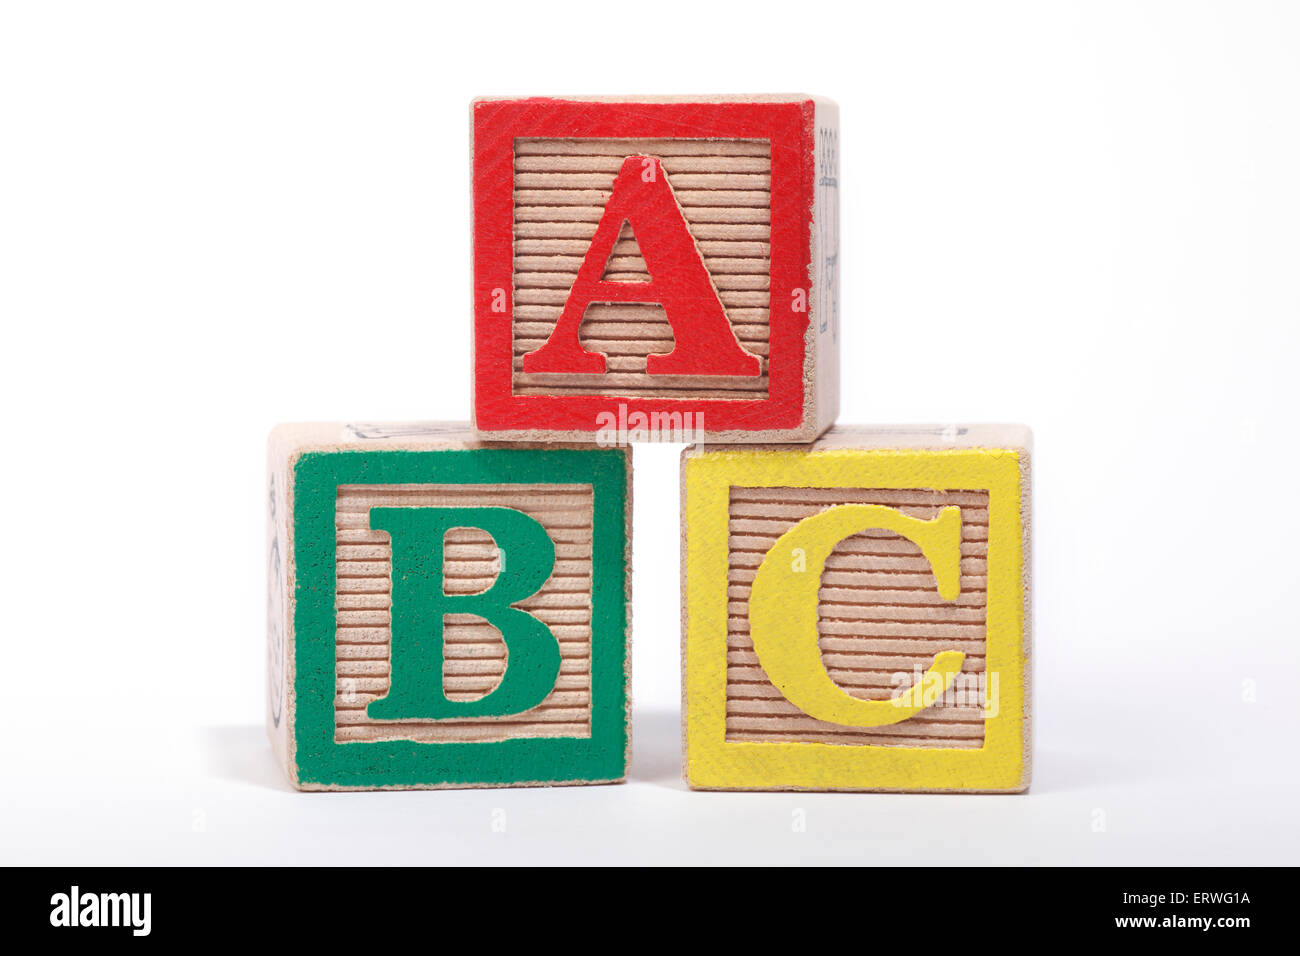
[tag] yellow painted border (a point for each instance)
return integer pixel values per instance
(712, 761)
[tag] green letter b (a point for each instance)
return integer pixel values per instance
(419, 602)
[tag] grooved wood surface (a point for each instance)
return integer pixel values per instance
(879, 616)
(474, 654)
(560, 191)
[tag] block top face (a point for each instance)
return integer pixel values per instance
(649, 263)
(295, 437)
(927, 436)
(899, 437)
(291, 436)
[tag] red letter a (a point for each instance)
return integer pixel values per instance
(704, 341)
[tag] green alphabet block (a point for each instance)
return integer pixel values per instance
(445, 613)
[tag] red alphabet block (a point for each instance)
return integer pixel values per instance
(656, 269)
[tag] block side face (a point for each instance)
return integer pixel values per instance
(279, 635)
(547, 175)
(373, 711)
(1027, 564)
(824, 331)
(804, 712)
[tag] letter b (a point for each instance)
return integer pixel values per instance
(419, 603)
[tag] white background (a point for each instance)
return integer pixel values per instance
(214, 217)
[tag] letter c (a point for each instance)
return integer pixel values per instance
(783, 611)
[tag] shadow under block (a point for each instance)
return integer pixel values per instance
(444, 613)
(855, 612)
(656, 268)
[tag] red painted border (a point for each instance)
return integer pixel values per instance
(789, 127)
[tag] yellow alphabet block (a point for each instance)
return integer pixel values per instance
(856, 612)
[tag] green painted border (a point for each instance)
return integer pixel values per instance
(398, 763)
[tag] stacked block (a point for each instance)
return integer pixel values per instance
(446, 613)
(855, 612)
(661, 265)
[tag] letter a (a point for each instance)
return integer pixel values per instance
(420, 602)
(704, 342)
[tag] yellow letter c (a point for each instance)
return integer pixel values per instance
(783, 611)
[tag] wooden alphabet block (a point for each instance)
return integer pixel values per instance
(856, 612)
(444, 613)
(656, 269)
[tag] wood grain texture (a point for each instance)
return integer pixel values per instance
(560, 191)
(474, 653)
(880, 618)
